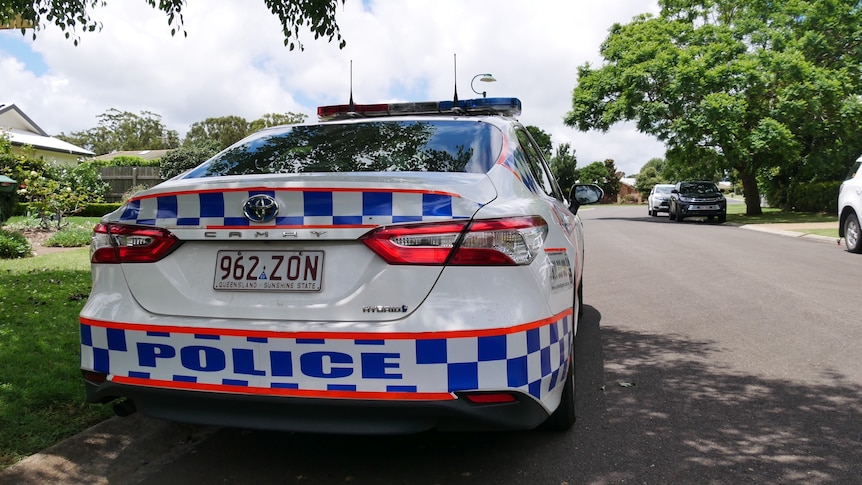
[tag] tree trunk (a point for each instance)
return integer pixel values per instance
(752, 194)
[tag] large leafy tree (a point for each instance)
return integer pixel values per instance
(743, 88)
(227, 130)
(277, 119)
(123, 131)
(76, 16)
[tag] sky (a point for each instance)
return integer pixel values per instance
(233, 62)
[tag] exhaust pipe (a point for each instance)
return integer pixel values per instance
(125, 408)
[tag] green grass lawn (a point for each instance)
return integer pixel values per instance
(41, 391)
(823, 232)
(736, 214)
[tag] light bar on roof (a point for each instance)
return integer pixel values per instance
(491, 106)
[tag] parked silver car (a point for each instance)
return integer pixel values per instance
(658, 197)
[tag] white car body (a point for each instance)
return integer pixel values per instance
(850, 210)
(658, 198)
(325, 333)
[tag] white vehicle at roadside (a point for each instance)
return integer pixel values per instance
(392, 268)
(658, 198)
(850, 209)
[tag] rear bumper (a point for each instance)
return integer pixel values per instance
(331, 382)
(338, 416)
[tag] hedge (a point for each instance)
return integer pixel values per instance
(813, 197)
(90, 210)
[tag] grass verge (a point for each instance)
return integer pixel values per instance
(736, 214)
(41, 392)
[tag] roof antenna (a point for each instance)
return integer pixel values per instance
(351, 86)
(455, 101)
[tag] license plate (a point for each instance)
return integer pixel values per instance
(269, 271)
(704, 208)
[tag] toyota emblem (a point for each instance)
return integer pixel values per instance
(260, 208)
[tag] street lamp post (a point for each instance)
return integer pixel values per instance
(485, 78)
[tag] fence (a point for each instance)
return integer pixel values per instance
(122, 179)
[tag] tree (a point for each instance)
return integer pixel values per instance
(650, 175)
(277, 119)
(743, 88)
(605, 175)
(73, 16)
(225, 131)
(564, 167)
(186, 157)
(124, 131)
(543, 139)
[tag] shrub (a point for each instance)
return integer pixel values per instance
(21, 209)
(126, 161)
(14, 245)
(813, 197)
(8, 202)
(185, 158)
(72, 237)
(133, 190)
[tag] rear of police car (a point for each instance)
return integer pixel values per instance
(391, 269)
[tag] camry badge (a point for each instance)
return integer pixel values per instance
(260, 208)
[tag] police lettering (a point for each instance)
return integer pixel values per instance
(316, 364)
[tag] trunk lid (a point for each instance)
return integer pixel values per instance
(305, 264)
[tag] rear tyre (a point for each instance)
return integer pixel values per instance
(563, 417)
(852, 234)
(679, 216)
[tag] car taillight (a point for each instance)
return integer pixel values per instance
(494, 242)
(120, 243)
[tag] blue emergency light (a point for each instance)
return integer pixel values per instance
(510, 107)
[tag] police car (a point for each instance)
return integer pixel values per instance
(391, 268)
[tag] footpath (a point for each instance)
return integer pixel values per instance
(125, 450)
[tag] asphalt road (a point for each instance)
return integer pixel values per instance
(707, 354)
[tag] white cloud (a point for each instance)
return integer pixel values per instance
(233, 62)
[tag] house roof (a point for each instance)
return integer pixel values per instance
(21, 130)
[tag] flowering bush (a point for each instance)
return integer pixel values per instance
(51, 192)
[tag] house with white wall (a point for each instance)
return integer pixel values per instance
(22, 131)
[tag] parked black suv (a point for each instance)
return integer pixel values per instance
(694, 199)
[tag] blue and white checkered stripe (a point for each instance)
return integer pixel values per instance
(297, 208)
(532, 361)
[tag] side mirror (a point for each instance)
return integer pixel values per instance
(674, 191)
(584, 194)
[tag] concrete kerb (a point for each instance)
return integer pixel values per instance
(797, 230)
(115, 450)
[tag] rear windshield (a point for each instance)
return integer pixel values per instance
(375, 146)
